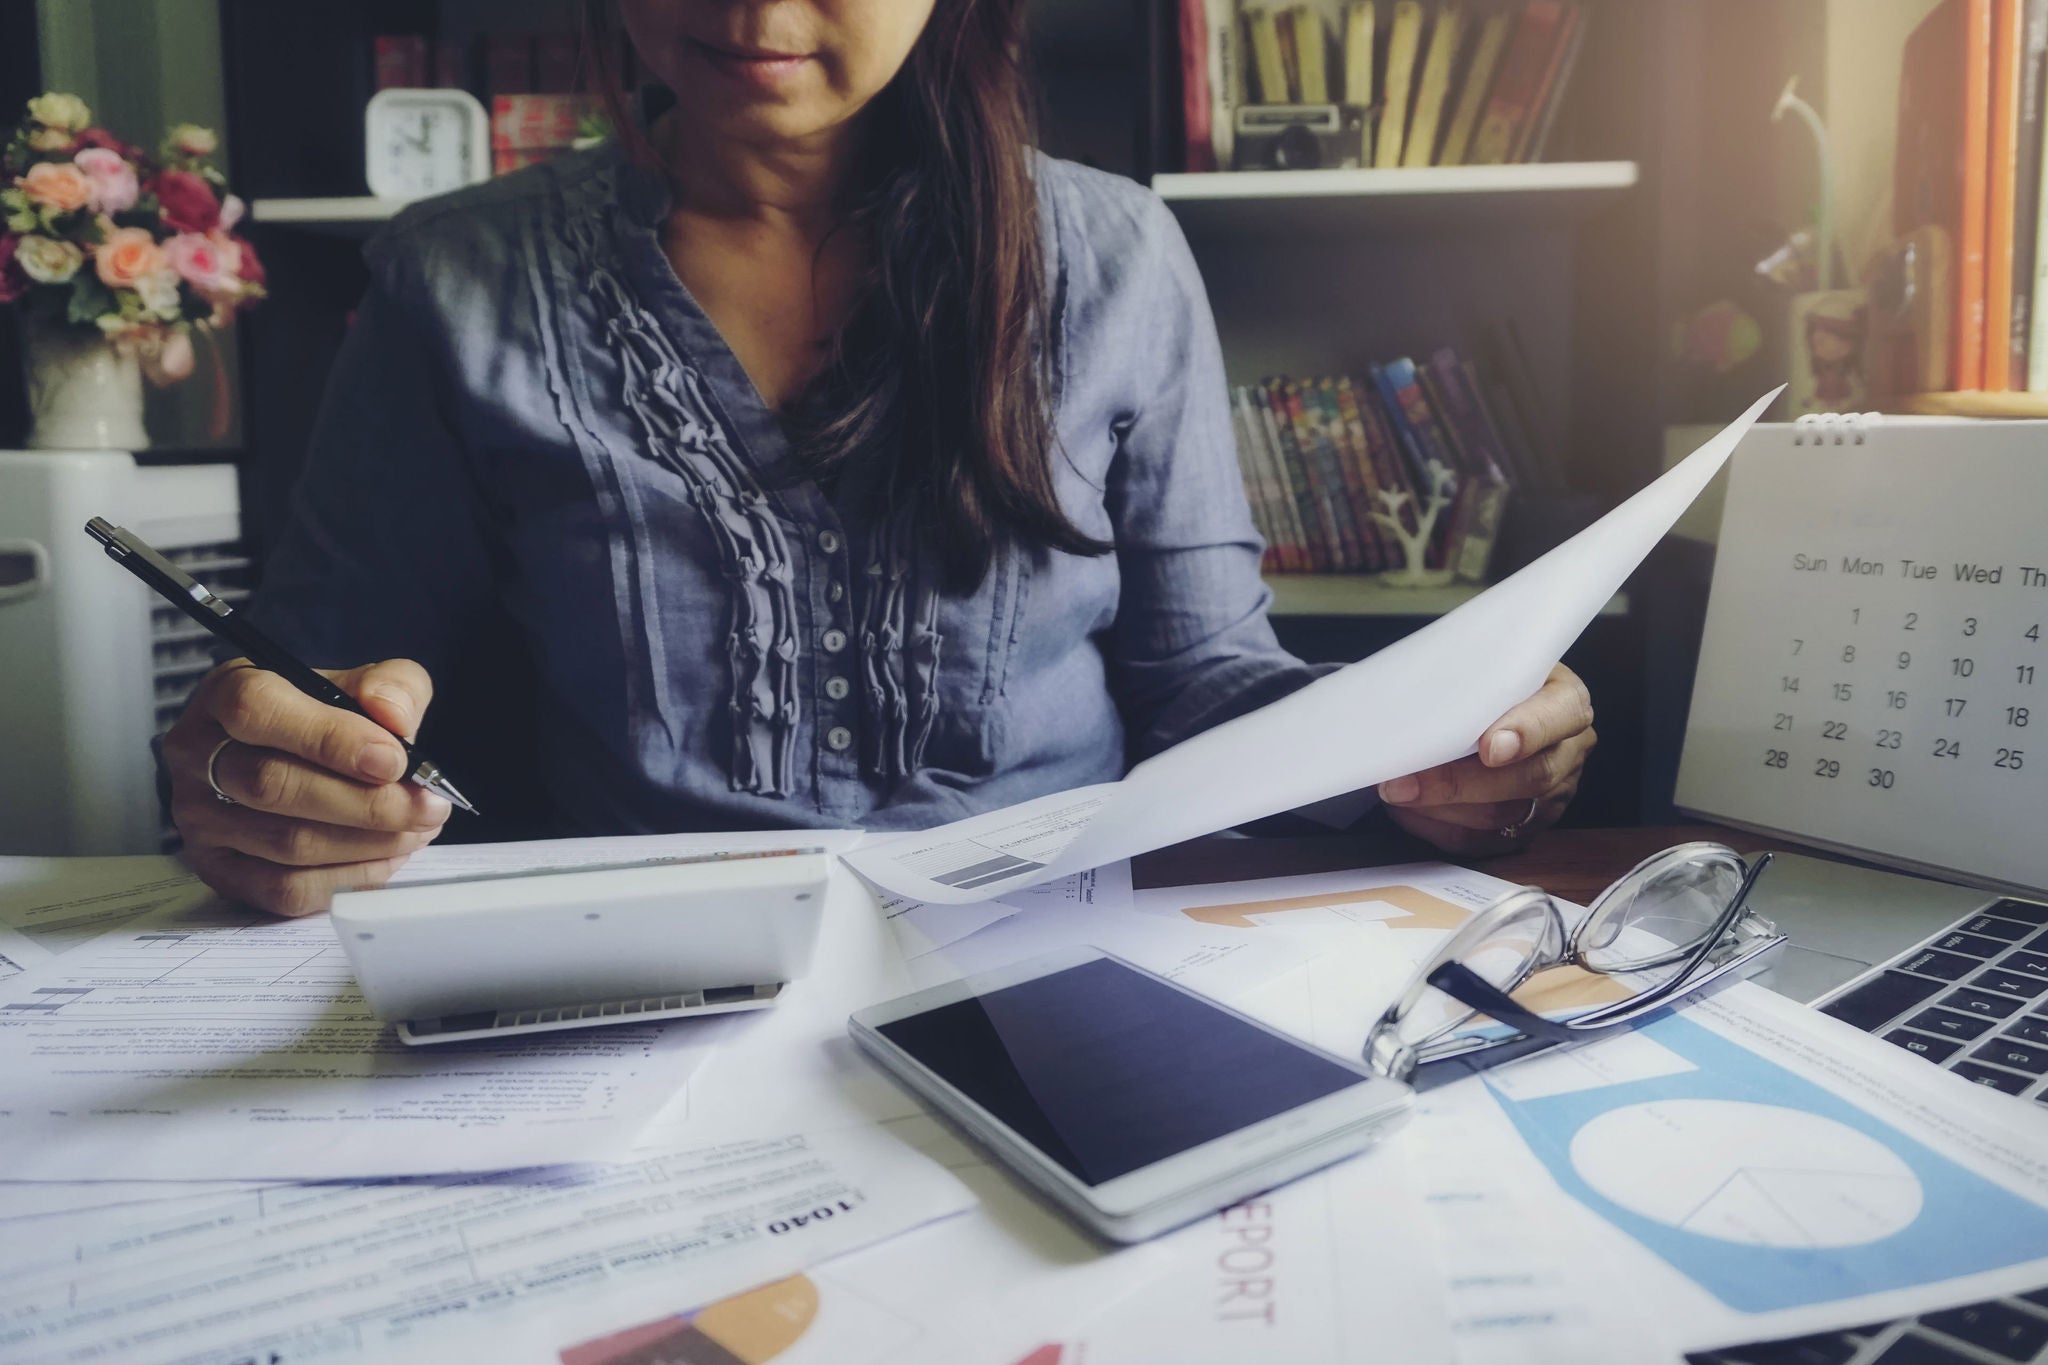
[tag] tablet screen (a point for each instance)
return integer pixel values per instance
(1106, 1070)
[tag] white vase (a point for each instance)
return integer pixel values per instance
(83, 393)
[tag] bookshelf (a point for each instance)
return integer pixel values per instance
(1325, 202)
(1362, 595)
(355, 215)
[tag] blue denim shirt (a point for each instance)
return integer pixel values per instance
(541, 472)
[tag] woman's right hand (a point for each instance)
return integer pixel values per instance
(315, 802)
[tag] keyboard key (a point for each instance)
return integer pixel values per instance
(1970, 945)
(1950, 1024)
(2037, 1297)
(2011, 930)
(1980, 1002)
(1882, 999)
(1933, 1049)
(2033, 912)
(1996, 1327)
(1947, 966)
(2018, 1056)
(1919, 1350)
(2009, 983)
(2032, 1029)
(1833, 1349)
(1992, 1076)
(2027, 964)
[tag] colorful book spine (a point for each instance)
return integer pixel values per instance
(1561, 79)
(2008, 33)
(1291, 483)
(1493, 38)
(1976, 165)
(1254, 482)
(1484, 492)
(1433, 467)
(1198, 143)
(1226, 57)
(1359, 26)
(1326, 487)
(1265, 42)
(1360, 480)
(1436, 87)
(1286, 538)
(1311, 54)
(1404, 45)
(2027, 187)
(1339, 480)
(1388, 462)
(1517, 90)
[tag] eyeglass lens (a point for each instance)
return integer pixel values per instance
(1645, 925)
(1503, 958)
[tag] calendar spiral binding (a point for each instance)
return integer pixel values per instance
(1835, 428)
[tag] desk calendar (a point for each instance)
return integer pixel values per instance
(1874, 673)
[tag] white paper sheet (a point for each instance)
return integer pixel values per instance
(487, 1268)
(1803, 1175)
(204, 1042)
(1000, 1283)
(60, 903)
(1423, 701)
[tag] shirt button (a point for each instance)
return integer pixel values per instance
(828, 541)
(836, 593)
(837, 688)
(839, 737)
(834, 641)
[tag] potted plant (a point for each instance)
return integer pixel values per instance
(116, 261)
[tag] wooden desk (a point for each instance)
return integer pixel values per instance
(1577, 864)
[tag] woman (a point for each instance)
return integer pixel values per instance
(816, 455)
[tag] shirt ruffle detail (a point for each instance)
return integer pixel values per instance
(680, 432)
(899, 651)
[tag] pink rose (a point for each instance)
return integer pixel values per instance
(100, 137)
(14, 281)
(187, 202)
(126, 256)
(253, 272)
(114, 188)
(210, 265)
(170, 361)
(58, 184)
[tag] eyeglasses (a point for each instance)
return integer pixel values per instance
(1674, 926)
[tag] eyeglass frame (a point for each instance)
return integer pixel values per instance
(1448, 1056)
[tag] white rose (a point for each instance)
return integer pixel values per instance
(58, 110)
(159, 291)
(193, 140)
(48, 260)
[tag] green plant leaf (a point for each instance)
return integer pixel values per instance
(90, 300)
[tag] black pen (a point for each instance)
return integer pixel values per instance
(182, 591)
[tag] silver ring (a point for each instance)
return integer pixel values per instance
(1514, 831)
(213, 781)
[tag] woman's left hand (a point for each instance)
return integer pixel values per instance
(1524, 775)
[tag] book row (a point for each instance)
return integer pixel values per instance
(1971, 261)
(1461, 82)
(1406, 471)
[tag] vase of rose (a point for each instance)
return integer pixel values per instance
(118, 261)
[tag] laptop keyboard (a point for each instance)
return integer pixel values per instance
(1974, 1000)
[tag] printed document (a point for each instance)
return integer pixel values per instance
(499, 1268)
(204, 1042)
(1418, 703)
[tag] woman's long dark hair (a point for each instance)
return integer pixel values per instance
(944, 368)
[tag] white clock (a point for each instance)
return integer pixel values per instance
(421, 142)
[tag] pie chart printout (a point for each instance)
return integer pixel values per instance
(1754, 1174)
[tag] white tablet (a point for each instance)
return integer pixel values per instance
(1132, 1103)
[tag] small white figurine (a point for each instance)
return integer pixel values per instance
(1415, 547)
